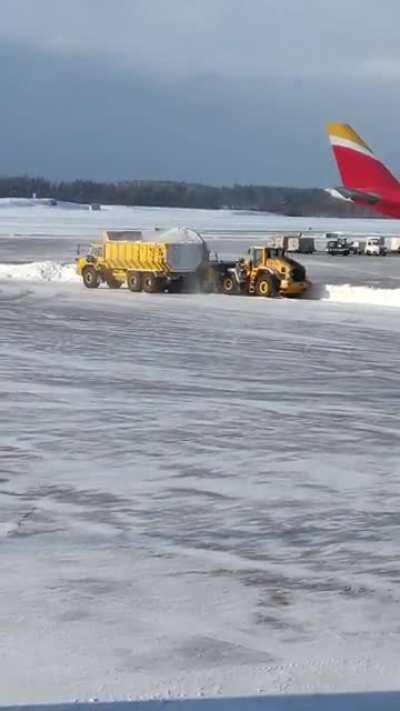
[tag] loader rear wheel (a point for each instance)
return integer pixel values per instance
(134, 281)
(229, 285)
(90, 277)
(267, 285)
(151, 284)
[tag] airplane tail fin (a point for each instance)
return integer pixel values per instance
(358, 167)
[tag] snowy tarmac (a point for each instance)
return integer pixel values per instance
(198, 494)
(389, 701)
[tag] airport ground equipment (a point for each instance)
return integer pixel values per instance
(394, 244)
(306, 244)
(339, 245)
(375, 247)
(266, 271)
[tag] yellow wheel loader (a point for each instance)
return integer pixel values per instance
(266, 271)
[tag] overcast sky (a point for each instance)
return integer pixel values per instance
(218, 91)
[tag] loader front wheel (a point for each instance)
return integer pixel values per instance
(91, 278)
(267, 285)
(134, 281)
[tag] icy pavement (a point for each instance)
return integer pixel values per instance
(198, 494)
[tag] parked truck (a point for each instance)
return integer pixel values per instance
(394, 244)
(339, 245)
(375, 247)
(179, 260)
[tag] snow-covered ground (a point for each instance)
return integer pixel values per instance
(387, 701)
(198, 494)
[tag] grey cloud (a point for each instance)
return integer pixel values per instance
(297, 38)
(209, 90)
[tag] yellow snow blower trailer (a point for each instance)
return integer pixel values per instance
(147, 260)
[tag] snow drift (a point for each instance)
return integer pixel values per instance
(349, 294)
(39, 271)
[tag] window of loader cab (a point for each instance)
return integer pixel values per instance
(256, 256)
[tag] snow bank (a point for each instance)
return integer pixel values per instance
(348, 294)
(39, 271)
(42, 203)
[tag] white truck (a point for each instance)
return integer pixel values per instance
(394, 244)
(375, 247)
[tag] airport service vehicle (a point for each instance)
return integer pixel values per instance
(266, 271)
(365, 180)
(306, 244)
(394, 243)
(339, 245)
(375, 247)
(147, 260)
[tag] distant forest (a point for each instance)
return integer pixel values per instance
(296, 202)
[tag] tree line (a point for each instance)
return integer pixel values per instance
(282, 200)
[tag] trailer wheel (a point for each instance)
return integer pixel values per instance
(229, 285)
(134, 281)
(91, 278)
(267, 285)
(151, 284)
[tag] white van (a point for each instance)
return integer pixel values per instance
(375, 246)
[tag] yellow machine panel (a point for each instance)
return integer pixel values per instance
(137, 256)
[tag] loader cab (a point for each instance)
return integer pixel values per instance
(258, 256)
(255, 258)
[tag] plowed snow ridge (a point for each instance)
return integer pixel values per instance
(349, 294)
(340, 293)
(39, 271)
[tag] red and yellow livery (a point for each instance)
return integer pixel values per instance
(365, 179)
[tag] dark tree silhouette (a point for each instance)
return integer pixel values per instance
(282, 200)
